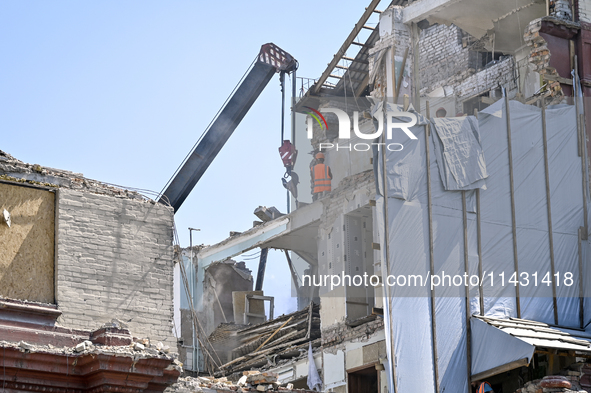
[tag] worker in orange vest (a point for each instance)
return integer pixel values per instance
(321, 176)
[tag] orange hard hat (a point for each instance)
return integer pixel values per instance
(319, 155)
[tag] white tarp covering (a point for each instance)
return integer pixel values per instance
(482, 160)
(459, 150)
(493, 347)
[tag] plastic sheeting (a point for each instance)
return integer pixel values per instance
(493, 347)
(482, 159)
(314, 382)
(462, 165)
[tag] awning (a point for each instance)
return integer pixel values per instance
(499, 345)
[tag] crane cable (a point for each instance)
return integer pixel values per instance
(209, 125)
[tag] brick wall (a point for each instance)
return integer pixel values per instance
(501, 74)
(585, 11)
(115, 260)
(442, 54)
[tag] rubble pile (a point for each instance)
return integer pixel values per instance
(576, 378)
(137, 350)
(540, 54)
(285, 337)
(251, 381)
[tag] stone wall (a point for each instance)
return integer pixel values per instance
(115, 260)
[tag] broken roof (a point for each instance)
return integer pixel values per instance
(541, 334)
(14, 170)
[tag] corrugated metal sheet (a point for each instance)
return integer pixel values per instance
(541, 334)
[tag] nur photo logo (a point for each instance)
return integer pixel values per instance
(392, 119)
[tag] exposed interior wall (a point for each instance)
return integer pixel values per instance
(332, 307)
(455, 64)
(254, 306)
(397, 36)
(221, 280)
(27, 257)
(540, 55)
(115, 260)
(186, 342)
(442, 54)
(360, 347)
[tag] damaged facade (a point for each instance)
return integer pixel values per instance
(494, 176)
(86, 284)
(484, 67)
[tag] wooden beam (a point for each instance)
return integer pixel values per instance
(310, 316)
(549, 211)
(400, 75)
(273, 335)
(355, 60)
(488, 100)
(564, 354)
(343, 49)
(500, 369)
(431, 246)
(512, 199)
(554, 78)
(362, 85)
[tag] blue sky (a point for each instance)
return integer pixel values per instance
(121, 90)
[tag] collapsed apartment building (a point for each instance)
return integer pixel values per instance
(494, 180)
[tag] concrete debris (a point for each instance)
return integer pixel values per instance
(138, 346)
(83, 346)
(251, 381)
(136, 350)
(26, 346)
(117, 324)
(267, 213)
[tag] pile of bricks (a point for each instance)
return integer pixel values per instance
(551, 384)
(579, 373)
(574, 379)
(251, 381)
